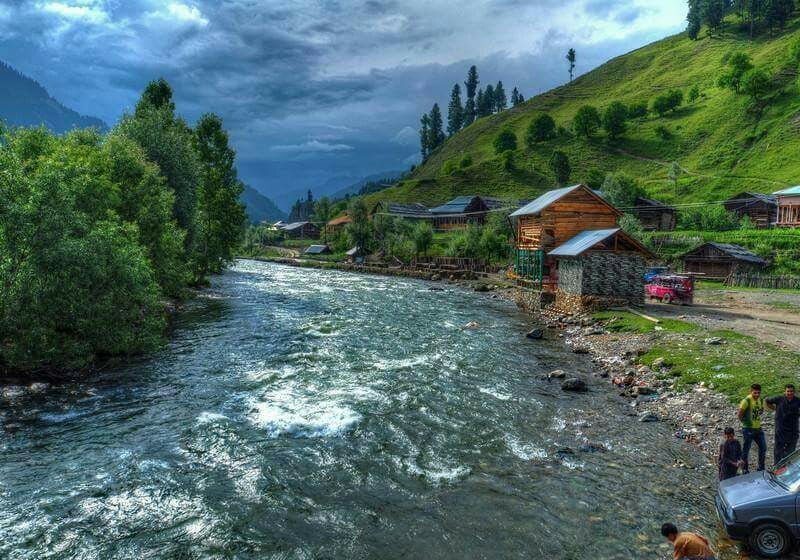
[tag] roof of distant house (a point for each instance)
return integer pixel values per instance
(410, 210)
(343, 219)
(789, 191)
(735, 251)
(295, 225)
(743, 196)
(585, 240)
(652, 203)
(458, 205)
(317, 250)
(551, 197)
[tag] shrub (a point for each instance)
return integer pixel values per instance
(637, 110)
(694, 93)
(504, 141)
(667, 102)
(541, 128)
(631, 225)
(559, 165)
(707, 218)
(756, 84)
(465, 244)
(738, 64)
(586, 121)
(507, 160)
(465, 162)
(449, 167)
(563, 132)
(614, 119)
(621, 190)
(663, 132)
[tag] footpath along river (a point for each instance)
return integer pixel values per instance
(318, 414)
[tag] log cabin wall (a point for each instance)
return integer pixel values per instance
(789, 211)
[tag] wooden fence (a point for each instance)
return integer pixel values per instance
(452, 263)
(745, 280)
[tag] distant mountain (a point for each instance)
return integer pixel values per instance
(259, 208)
(354, 188)
(23, 102)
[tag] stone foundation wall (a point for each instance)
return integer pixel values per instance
(618, 276)
(571, 303)
(532, 301)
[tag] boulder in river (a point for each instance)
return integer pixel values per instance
(557, 374)
(592, 448)
(574, 384)
(580, 349)
(535, 334)
(649, 417)
(472, 325)
(713, 341)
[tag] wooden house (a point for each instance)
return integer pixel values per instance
(761, 208)
(597, 268)
(720, 260)
(553, 219)
(337, 225)
(788, 207)
(301, 230)
(413, 212)
(655, 215)
(459, 213)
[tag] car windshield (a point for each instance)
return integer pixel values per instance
(787, 473)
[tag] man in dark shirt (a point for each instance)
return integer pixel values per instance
(787, 417)
(730, 455)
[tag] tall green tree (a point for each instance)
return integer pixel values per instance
(713, 13)
(221, 215)
(571, 57)
(359, 230)
(500, 99)
(423, 238)
(674, 175)
(621, 190)
(516, 97)
(738, 64)
(694, 19)
(436, 135)
(424, 136)
(471, 89)
(542, 128)
(756, 84)
(504, 141)
(614, 118)
(560, 167)
(487, 106)
(586, 121)
(455, 111)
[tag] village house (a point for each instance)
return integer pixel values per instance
(605, 265)
(655, 215)
(761, 208)
(788, 207)
(414, 211)
(301, 230)
(720, 260)
(318, 250)
(337, 225)
(460, 213)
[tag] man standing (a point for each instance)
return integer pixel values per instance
(687, 545)
(750, 410)
(787, 418)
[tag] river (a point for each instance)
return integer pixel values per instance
(302, 414)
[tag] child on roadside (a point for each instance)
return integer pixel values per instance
(730, 455)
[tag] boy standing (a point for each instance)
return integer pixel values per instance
(730, 455)
(750, 410)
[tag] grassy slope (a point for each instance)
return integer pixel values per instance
(726, 147)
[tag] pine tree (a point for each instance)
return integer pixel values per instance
(514, 97)
(455, 112)
(424, 135)
(500, 99)
(471, 85)
(488, 102)
(520, 99)
(479, 104)
(436, 128)
(694, 19)
(571, 59)
(713, 12)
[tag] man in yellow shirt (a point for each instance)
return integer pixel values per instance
(687, 546)
(750, 411)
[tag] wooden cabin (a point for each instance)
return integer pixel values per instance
(720, 260)
(761, 208)
(788, 207)
(655, 215)
(553, 219)
(301, 230)
(460, 212)
(337, 225)
(597, 268)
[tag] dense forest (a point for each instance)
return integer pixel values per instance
(98, 232)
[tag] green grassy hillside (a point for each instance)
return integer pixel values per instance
(723, 144)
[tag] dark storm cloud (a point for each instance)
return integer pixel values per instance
(308, 88)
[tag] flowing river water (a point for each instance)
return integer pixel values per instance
(317, 414)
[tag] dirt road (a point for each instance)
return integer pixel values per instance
(766, 315)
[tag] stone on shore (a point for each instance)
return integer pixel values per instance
(574, 384)
(649, 417)
(535, 334)
(557, 374)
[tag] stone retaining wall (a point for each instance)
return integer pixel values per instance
(600, 274)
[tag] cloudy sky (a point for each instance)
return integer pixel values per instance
(314, 90)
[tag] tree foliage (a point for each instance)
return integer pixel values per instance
(621, 190)
(586, 121)
(505, 140)
(614, 118)
(571, 57)
(739, 63)
(541, 128)
(667, 102)
(560, 167)
(455, 111)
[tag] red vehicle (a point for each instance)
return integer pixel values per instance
(671, 288)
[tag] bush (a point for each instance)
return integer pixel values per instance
(614, 119)
(738, 64)
(586, 121)
(621, 190)
(663, 132)
(756, 84)
(504, 141)
(694, 93)
(465, 162)
(637, 110)
(449, 167)
(466, 244)
(563, 132)
(542, 128)
(507, 160)
(707, 218)
(631, 225)
(667, 102)
(559, 165)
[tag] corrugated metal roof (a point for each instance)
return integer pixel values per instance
(743, 196)
(317, 249)
(294, 226)
(583, 241)
(458, 205)
(642, 201)
(789, 191)
(736, 251)
(340, 220)
(544, 201)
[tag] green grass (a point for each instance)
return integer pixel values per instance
(784, 305)
(725, 145)
(623, 321)
(709, 285)
(729, 368)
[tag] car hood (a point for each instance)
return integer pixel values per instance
(749, 488)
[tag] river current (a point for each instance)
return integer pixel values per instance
(299, 414)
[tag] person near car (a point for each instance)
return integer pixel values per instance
(730, 455)
(787, 421)
(750, 411)
(687, 546)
